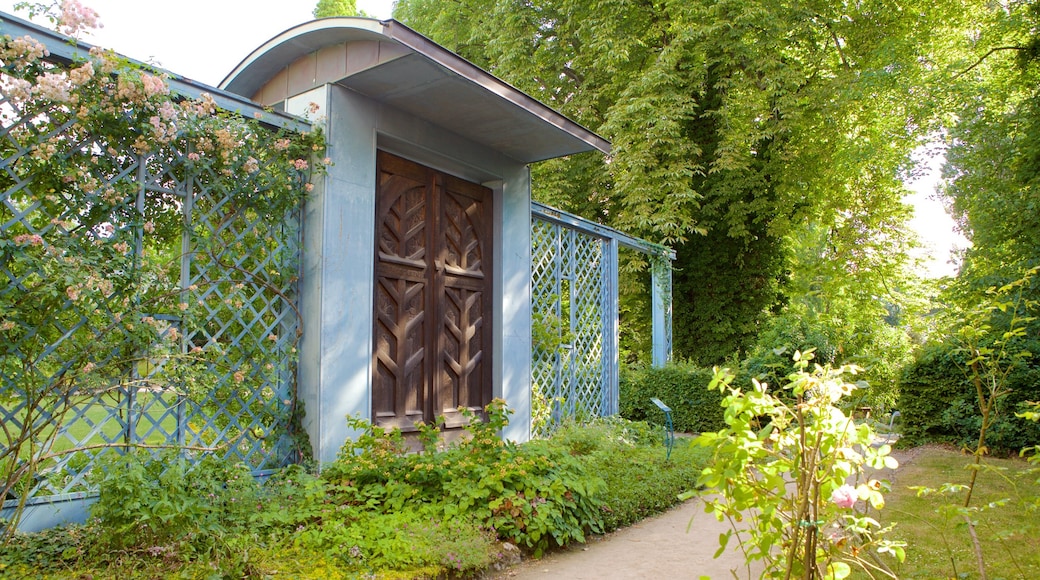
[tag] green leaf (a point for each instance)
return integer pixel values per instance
(838, 570)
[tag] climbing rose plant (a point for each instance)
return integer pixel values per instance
(789, 474)
(95, 302)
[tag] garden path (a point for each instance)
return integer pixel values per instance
(679, 543)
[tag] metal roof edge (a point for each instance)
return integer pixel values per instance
(464, 68)
(264, 52)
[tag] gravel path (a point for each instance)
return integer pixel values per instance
(679, 543)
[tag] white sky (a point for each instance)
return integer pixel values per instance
(205, 39)
(935, 227)
(199, 39)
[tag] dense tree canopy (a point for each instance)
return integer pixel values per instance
(993, 169)
(740, 129)
(326, 8)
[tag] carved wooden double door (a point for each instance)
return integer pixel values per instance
(432, 329)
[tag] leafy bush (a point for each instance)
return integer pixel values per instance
(533, 495)
(168, 499)
(880, 349)
(379, 510)
(770, 362)
(792, 478)
(683, 387)
(938, 403)
(629, 456)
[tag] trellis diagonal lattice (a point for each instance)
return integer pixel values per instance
(574, 290)
(156, 307)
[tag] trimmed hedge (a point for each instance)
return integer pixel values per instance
(683, 387)
(938, 404)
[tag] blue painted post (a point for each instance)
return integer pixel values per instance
(661, 292)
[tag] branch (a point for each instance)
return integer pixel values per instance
(573, 75)
(985, 56)
(203, 449)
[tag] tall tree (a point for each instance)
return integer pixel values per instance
(327, 8)
(736, 125)
(993, 161)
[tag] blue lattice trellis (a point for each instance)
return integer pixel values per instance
(152, 304)
(574, 304)
(574, 295)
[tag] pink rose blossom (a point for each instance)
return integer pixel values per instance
(18, 90)
(845, 496)
(82, 74)
(153, 85)
(28, 240)
(21, 52)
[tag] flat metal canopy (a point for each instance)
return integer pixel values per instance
(429, 82)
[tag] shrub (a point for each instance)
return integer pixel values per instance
(146, 500)
(792, 478)
(938, 403)
(631, 459)
(380, 510)
(683, 387)
(534, 495)
(770, 361)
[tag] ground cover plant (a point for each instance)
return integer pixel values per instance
(641, 479)
(382, 508)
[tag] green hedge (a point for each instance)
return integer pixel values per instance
(939, 404)
(683, 387)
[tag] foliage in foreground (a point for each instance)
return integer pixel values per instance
(790, 477)
(377, 510)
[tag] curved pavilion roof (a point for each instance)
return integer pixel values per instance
(396, 66)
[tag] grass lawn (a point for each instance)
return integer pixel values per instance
(103, 422)
(940, 546)
(154, 422)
